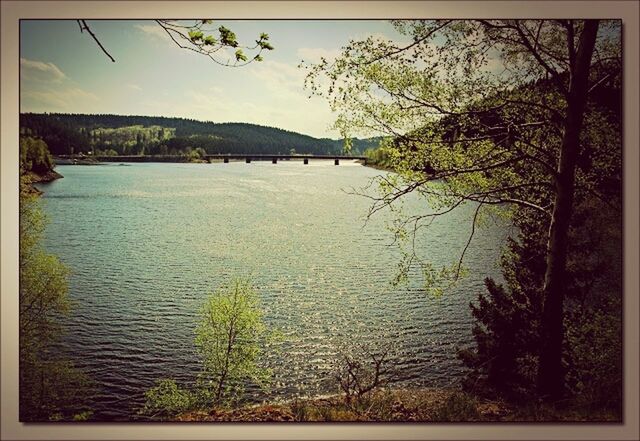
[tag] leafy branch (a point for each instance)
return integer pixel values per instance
(198, 37)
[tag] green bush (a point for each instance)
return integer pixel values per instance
(379, 157)
(166, 399)
(459, 406)
(594, 347)
(35, 156)
(503, 361)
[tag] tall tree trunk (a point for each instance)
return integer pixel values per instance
(550, 371)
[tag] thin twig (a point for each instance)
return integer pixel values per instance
(473, 230)
(86, 27)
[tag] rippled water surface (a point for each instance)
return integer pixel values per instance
(146, 243)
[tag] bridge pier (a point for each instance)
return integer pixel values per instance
(336, 162)
(247, 160)
(306, 161)
(225, 160)
(274, 160)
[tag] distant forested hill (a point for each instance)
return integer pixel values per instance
(133, 135)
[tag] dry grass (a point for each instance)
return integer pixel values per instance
(400, 405)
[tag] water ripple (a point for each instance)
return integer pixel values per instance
(147, 243)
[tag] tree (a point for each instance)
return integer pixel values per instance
(229, 339)
(503, 362)
(197, 36)
(490, 112)
(504, 359)
(550, 378)
(114, 131)
(34, 156)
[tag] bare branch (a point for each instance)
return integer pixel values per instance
(83, 25)
(507, 200)
(549, 167)
(473, 230)
(600, 81)
(556, 113)
(527, 44)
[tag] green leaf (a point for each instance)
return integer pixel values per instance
(195, 35)
(258, 58)
(210, 40)
(240, 56)
(227, 37)
(265, 45)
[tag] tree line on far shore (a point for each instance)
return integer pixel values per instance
(67, 134)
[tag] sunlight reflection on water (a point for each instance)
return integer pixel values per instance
(147, 243)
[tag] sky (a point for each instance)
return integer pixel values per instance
(63, 70)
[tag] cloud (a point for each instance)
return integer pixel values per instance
(134, 87)
(69, 99)
(40, 71)
(314, 54)
(154, 30)
(45, 88)
(287, 109)
(284, 80)
(214, 101)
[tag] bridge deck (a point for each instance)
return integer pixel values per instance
(274, 155)
(242, 156)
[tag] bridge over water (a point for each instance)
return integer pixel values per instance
(247, 157)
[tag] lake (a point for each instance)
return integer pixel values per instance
(146, 243)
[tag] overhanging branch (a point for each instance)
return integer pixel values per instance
(85, 27)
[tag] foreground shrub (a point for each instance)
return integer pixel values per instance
(166, 399)
(360, 370)
(229, 340)
(594, 353)
(459, 406)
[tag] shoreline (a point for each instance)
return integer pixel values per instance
(28, 179)
(383, 405)
(402, 405)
